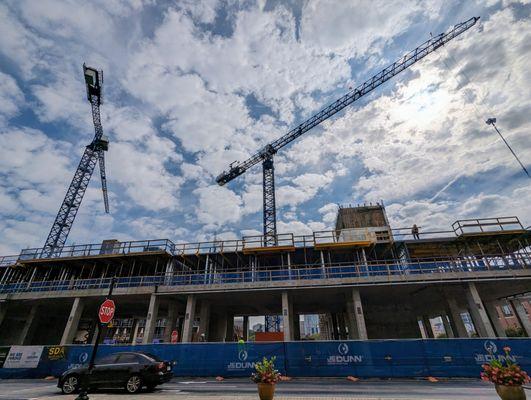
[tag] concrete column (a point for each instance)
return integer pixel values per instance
(151, 319)
(135, 332)
(335, 329)
(323, 265)
(447, 326)
(171, 321)
(523, 318)
(427, 326)
(287, 317)
(3, 312)
(478, 313)
(229, 333)
(358, 313)
(204, 319)
(296, 327)
(73, 321)
(342, 326)
(245, 328)
(189, 316)
(454, 312)
(490, 307)
(29, 326)
(220, 332)
(351, 321)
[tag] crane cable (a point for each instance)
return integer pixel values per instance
(490, 121)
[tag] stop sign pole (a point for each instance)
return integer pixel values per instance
(85, 383)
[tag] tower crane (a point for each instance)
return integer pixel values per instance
(94, 152)
(266, 154)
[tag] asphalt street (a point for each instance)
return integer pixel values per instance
(314, 388)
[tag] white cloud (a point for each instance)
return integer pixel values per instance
(354, 28)
(11, 97)
(217, 205)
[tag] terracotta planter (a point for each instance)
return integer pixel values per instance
(266, 391)
(510, 392)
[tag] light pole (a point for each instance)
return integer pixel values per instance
(492, 121)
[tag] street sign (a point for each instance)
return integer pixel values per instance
(106, 312)
(174, 336)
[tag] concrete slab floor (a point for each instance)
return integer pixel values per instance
(243, 389)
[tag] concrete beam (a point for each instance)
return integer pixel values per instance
(523, 318)
(358, 314)
(151, 319)
(189, 316)
(287, 317)
(73, 321)
(478, 313)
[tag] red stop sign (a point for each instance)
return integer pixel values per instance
(106, 312)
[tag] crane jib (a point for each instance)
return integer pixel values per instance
(381, 77)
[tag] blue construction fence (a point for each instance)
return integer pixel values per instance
(364, 359)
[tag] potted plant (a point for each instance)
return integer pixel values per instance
(266, 376)
(507, 377)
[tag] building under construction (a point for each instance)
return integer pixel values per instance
(366, 280)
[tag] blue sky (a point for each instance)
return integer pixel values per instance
(192, 86)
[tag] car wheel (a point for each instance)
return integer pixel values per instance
(134, 384)
(70, 384)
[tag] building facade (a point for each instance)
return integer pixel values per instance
(364, 279)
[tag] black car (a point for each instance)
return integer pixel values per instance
(129, 370)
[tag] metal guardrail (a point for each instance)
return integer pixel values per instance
(393, 270)
(288, 240)
(87, 250)
(464, 226)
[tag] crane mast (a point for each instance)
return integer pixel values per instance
(267, 153)
(93, 153)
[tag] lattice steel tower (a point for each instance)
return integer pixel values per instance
(94, 152)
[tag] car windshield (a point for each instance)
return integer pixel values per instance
(152, 357)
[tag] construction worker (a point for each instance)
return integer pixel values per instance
(415, 231)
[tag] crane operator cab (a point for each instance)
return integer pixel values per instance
(94, 81)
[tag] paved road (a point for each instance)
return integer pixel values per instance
(242, 389)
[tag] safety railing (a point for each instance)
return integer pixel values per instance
(392, 269)
(259, 241)
(355, 235)
(464, 226)
(105, 248)
(250, 242)
(7, 261)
